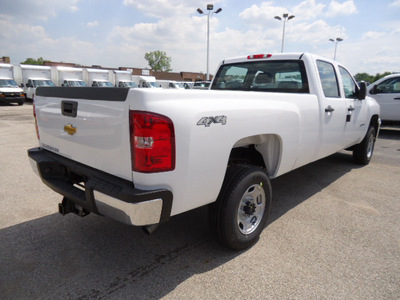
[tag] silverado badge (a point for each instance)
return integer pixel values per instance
(70, 129)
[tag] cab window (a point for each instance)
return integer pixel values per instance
(389, 86)
(328, 78)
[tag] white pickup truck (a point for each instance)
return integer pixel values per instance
(141, 156)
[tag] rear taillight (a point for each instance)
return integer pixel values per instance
(152, 142)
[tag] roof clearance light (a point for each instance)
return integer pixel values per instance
(258, 56)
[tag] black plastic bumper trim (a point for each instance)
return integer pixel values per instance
(61, 174)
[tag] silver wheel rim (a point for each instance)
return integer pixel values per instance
(370, 147)
(251, 209)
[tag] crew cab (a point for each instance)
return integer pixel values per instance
(141, 156)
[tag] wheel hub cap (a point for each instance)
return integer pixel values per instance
(251, 209)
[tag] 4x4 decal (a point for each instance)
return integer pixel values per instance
(207, 121)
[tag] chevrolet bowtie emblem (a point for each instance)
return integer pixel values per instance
(70, 129)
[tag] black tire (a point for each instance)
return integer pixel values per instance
(241, 211)
(20, 103)
(363, 151)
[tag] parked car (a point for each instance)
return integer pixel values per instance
(386, 91)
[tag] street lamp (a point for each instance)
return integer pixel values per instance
(210, 8)
(285, 18)
(338, 39)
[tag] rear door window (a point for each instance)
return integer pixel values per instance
(328, 78)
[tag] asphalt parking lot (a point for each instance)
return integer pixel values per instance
(334, 233)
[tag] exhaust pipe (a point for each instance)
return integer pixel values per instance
(149, 229)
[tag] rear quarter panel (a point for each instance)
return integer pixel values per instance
(202, 152)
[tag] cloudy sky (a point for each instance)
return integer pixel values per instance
(114, 33)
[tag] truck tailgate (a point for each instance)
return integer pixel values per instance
(88, 125)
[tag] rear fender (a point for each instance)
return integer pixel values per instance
(270, 148)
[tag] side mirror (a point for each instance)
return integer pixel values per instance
(362, 92)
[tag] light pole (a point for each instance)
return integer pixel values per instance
(338, 39)
(210, 9)
(285, 18)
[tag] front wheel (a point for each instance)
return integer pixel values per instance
(363, 151)
(242, 208)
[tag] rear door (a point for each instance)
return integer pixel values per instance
(334, 110)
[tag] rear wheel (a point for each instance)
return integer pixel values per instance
(363, 151)
(242, 208)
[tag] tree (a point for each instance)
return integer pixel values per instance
(32, 61)
(379, 76)
(159, 61)
(370, 78)
(364, 77)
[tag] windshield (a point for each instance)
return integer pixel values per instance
(102, 84)
(147, 84)
(8, 83)
(37, 83)
(76, 83)
(127, 84)
(153, 84)
(202, 84)
(179, 85)
(285, 76)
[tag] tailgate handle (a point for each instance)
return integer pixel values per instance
(69, 108)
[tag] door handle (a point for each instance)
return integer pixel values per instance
(329, 109)
(397, 98)
(351, 108)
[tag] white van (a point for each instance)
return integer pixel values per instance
(124, 79)
(34, 76)
(170, 84)
(97, 78)
(145, 81)
(69, 76)
(10, 92)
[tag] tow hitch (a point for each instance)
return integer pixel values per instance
(67, 206)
